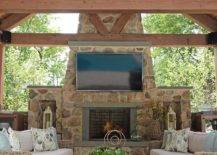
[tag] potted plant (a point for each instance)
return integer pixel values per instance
(157, 115)
(107, 151)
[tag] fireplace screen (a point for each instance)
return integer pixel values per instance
(102, 120)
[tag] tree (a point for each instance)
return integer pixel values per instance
(31, 65)
(182, 66)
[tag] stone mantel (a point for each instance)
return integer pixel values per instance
(108, 105)
(175, 87)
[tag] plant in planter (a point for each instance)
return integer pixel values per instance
(107, 151)
(158, 117)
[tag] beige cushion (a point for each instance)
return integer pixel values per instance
(25, 138)
(163, 152)
(196, 141)
(20, 140)
(56, 152)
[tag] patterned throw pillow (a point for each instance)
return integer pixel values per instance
(177, 141)
(14, 140)
(169, 142)
(44, 139)
(167, 134)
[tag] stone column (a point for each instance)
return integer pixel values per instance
(73, 100)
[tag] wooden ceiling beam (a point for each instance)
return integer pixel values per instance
(156, 40)
(98, 24)
(13, 20)
(121, 22)
(1, 14)
(60, 6)
(206, 21)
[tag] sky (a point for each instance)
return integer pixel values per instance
(66, 22)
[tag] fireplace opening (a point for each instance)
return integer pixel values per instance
(99, 121)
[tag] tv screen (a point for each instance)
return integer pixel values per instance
(109, 71)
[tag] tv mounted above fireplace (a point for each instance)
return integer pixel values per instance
(109, 71)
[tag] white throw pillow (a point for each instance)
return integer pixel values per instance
(44, 139)
(25, 139)
(196, 141)
(20, 140)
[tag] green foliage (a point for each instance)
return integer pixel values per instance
(107, 151)
(173, 66)
(182, 66)
(31, 65)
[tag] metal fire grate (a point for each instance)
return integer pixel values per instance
(101, 120)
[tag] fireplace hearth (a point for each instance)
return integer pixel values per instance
(98, 121)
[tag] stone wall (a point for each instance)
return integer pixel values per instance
(40, 95)
(153, 102)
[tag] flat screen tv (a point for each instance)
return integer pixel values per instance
(109, 71)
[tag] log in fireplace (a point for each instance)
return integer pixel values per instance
(98, 121)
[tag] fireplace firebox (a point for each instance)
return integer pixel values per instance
(98, 121)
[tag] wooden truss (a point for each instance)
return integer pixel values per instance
(13, 12)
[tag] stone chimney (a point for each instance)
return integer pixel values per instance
(74, 101)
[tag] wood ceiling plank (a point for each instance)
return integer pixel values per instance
(58, 6)
(156, 40)
(97, 22)
(206, 21)
(121, 22)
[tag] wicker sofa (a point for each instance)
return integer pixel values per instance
(196, 146)
(56, 152)
(163, 152)
(64, 149)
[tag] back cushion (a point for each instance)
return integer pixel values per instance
(25, 139)
(197, 141)
(4, 142)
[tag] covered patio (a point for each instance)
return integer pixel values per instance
(110, 27)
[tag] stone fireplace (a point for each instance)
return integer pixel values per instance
(85, 116)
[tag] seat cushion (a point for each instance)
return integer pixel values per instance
(163, 152)
(56, 152)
